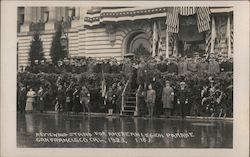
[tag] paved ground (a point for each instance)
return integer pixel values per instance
(60, 130)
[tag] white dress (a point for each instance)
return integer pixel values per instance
(30, 100)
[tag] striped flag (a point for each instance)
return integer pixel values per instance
(155, 39)
(203, 18)
(171, 39)
(208, 41)
(186, 11)
(172, 20)
(232, 36)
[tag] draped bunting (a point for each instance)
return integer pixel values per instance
(208, 41)
(186, 11)
(172, 20)
(170, 13)
(203, 18)
(117, 14)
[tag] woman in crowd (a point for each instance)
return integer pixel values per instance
(30, 100)
(167, 99)
(150, 100)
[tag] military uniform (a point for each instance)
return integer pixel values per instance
(85, 99)
(182, 100)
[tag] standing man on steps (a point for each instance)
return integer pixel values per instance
(182, 99)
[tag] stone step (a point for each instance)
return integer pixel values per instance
(130, 102)
(129, 108)
(131, 94)
(131, 97)
(127, 112)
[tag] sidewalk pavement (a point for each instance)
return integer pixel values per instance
(160, 117)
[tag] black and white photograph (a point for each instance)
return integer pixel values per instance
(132, 77)
(126, 76)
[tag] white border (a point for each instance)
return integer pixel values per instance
(8, 84)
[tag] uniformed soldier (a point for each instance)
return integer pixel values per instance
(85, 99)
(182, 99)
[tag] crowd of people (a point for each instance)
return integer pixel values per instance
(156, 96)
(177, 65)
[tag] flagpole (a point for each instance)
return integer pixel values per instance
(228, 37)
(213, 33)
(167, 49)
(154, 39)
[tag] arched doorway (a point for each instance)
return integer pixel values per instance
(137, 42)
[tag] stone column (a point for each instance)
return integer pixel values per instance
(39, 14)
(229, 51)
(213, 35)
(77, 12)
(167, 48)
(154, 38)
(27, 20)
(52, 18)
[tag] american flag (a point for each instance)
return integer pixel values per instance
(203, 18)
(231, 35)
(208, 41)
(171, 39)
(172, 20)
(186, 11)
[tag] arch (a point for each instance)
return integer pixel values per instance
(129, 38)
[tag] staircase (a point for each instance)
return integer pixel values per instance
(129, 106)
(129, 101)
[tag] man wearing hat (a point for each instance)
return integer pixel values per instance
(213, 66)
(183, 99)
(128, 69)
(182, 66)
(167, 99)
(202, 66)
(192, 65)
(172, 66)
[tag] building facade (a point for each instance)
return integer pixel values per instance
(103, 32)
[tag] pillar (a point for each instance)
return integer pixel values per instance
(52, 18)
(229, 51)
(27, 20)
(213, 35)
(167, 40)
(175, 50)
(154, 39)
(77, 12)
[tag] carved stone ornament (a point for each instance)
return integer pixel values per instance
(110, 28)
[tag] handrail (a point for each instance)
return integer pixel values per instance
(123, 96)
(137, 101)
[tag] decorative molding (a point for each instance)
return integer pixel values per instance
(110, 28)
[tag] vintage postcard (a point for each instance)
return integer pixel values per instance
(125, 78)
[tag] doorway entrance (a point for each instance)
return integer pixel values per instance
(190, 40)
(138, 43)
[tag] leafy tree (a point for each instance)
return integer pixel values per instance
(57, 51)
(36, 49)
